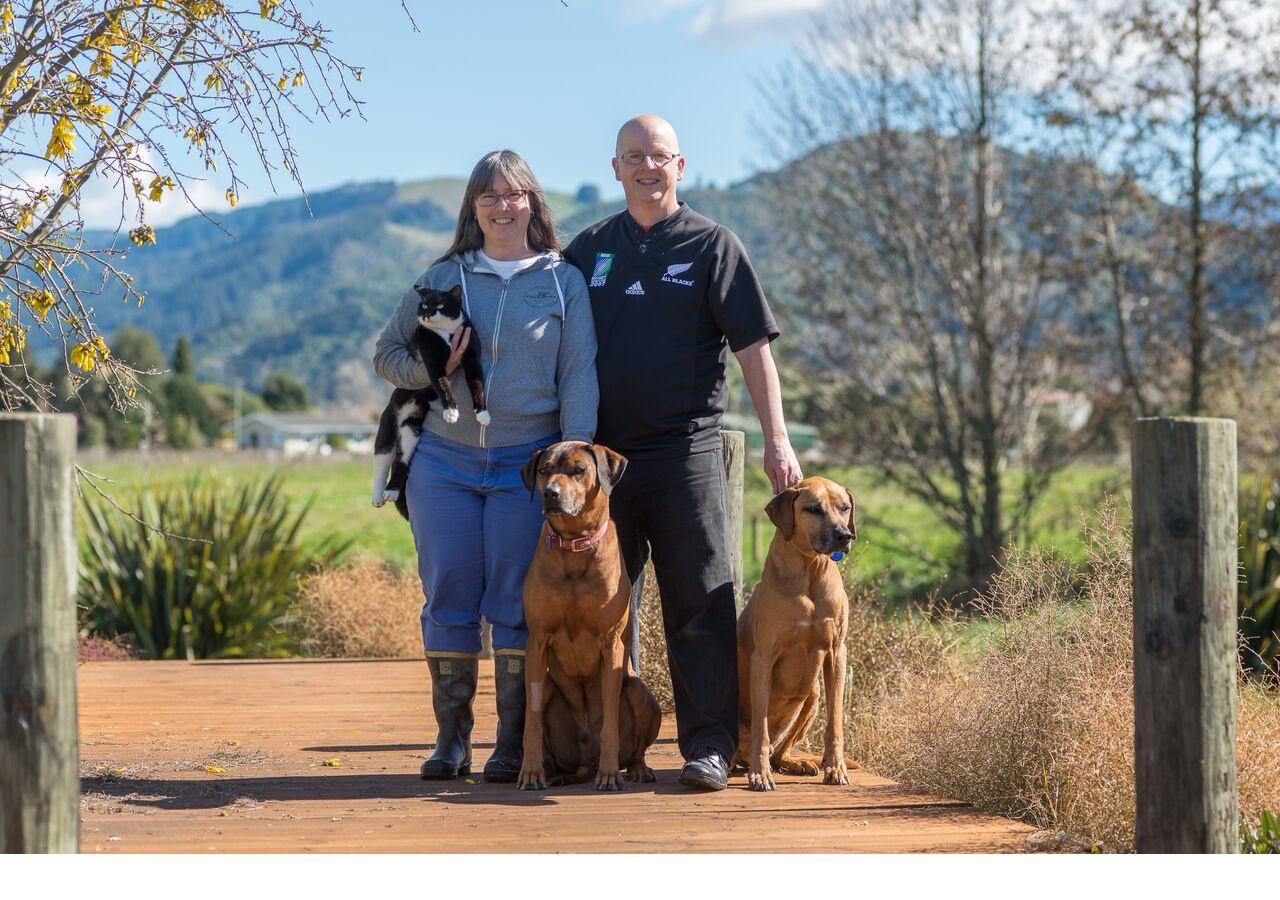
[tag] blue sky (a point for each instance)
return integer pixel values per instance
(551, 81)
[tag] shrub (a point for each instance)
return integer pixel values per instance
(362, 608)
(187, 598)
(1263, 837)
(1260, 581)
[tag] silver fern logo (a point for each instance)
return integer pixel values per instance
(678, 269)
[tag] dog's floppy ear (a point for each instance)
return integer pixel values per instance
(782, 512)
(529, 472)
(851, 524)
(609, 467)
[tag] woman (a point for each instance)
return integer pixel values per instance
(474, 523)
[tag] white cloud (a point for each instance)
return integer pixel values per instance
(107, 203)
(736, 21)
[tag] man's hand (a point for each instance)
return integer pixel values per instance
(458, 343)
(781, 465)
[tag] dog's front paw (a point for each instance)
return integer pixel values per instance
(836, 774)
(450, 415)
(483, 417)
(641, 773)
(608, 780)
(760, 778)
(531, 778)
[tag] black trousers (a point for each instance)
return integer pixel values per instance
(677, 509)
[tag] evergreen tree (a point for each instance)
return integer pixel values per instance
(284, 393)
(182, 364)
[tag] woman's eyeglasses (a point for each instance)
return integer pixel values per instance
(489, 198)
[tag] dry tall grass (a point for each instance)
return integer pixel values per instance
(653, 645)
(1035, 719)
(361, 608)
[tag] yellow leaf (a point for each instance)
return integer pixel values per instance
(62, 143)
(215, 770)
(6, 18)
(143, 235)
(283, 82)
(232, 198)
(332, 763)
(40, 302)
(158, 186)
(265, 7)
(299, 79)
(26, 214)
(83, 357)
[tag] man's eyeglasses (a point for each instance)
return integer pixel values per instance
(635, 158)
(489, 198)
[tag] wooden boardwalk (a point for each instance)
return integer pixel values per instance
(231, 756)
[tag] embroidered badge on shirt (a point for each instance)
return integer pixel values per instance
(669, 276)
(635, 290)
(604, 262)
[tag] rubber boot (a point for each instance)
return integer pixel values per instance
(508, 749)
(453, 687)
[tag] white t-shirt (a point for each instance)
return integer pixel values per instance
(508, 267)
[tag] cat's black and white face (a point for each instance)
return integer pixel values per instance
(439, 310)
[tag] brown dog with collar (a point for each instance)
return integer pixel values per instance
(792, 628)
(586, 710)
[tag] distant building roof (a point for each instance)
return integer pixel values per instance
(307, 423)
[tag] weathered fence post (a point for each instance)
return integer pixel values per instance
(1185, 521)
(39, 760)
(735, 452)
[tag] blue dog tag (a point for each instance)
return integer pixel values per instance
(837, 556)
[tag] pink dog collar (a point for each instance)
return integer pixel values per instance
(574, 545)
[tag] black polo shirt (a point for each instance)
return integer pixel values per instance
(667, 301)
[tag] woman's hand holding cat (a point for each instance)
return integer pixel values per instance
(458, 346)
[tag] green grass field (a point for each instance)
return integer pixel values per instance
(900, 538)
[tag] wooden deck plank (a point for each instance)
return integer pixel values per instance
(148, 729)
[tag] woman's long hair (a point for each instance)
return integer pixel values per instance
(511, 166)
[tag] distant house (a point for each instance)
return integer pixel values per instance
(296, 434)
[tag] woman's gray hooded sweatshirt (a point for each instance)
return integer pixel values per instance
(537, 347)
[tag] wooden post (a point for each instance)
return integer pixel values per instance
(735, 452)
(1185, 520)
(39, 759)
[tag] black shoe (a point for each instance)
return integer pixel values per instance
(706, 770)
(453, 687)
(508, 750)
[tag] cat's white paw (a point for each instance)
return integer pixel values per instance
(483, 417)
(389, 496)
(379, 498)
(451, 416)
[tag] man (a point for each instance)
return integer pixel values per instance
(670, 290)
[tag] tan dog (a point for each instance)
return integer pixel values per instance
(794, 626)
(585, 709)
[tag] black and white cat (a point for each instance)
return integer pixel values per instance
(440, 314)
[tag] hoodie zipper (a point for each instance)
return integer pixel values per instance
(493, 353)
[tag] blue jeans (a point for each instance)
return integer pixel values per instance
(475, 527)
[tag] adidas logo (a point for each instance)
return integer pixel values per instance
(636, 290)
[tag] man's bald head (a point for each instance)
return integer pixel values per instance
(648, 163)
(646, 131)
